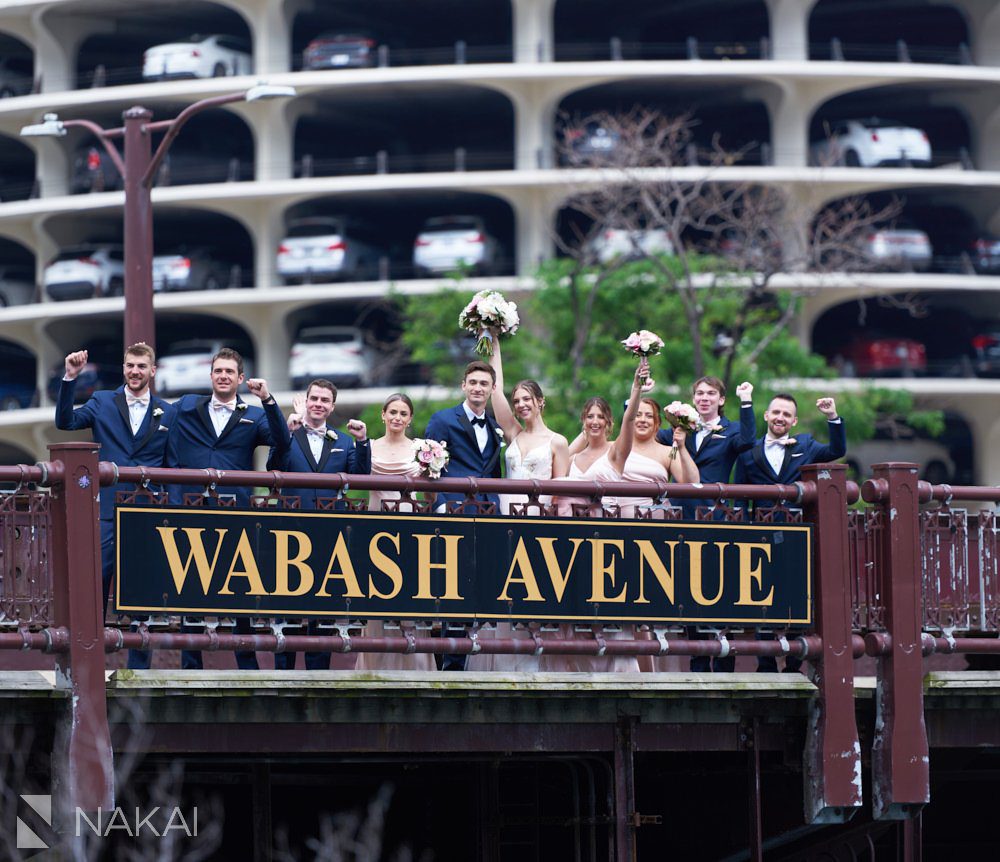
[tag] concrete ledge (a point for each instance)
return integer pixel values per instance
(971, 681)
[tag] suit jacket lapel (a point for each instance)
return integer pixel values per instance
(122, 406)
(761, 459)
(492, 427)
(206, 420)
(303, 438)
(463, 420)
(785, 459)
(152, 423)
(234, 419)
(326, 452)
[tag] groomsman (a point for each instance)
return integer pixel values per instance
(777, 458)
(474, 439)
(222, 431)
(317, 447)
(131, 425)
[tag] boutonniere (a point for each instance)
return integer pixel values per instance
(499, 432)
(789, 441)
(330, 434)
(241, 406)
(157, 412)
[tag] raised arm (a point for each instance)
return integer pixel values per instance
(68, 419)
(621, 448)
(501, 408)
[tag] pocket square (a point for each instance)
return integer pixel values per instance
(719, 437)
(336, 450)
(163, 428)
(248, 421)
(798, 454)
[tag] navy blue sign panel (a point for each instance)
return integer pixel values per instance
(315, 564)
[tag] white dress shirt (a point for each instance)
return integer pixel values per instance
(774, 451)
(137, 408)
(221, 411)
(482, 431)
(316, 438)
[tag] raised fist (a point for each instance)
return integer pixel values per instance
(744, 392)
(258, 387)
(828, 407)
(357, 429)
(75, 363)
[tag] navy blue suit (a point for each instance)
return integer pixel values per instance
(340, 454)
(717, 453)
(452, 426)
(107, 416)
(753, 468)
(194, 444)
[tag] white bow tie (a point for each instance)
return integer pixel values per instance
(222, 405)
(132, 400)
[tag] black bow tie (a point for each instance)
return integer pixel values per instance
(480, 422)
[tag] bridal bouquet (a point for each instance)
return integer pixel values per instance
(431, 457)
(683, 416)
(489, 310)
(643, 343)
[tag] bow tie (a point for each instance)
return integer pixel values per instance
(132, 400)
(316, 432)
(772, 441)
(222, 405)
(481, 422)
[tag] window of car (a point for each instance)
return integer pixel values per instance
(316, 227)
(234, 43)
(453, 223)
(328, 336)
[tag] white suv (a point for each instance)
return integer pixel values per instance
(187, 366)
(452, 242)
(322, 248)
(629, 244)
(337, 353)
(872, 143)
(198, 57)
(86, 271)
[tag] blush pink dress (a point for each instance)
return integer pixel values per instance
(602, 471)
(640, 468)
(376, 628)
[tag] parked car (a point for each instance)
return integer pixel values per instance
(903, 248)
(102, 371)
(17, 284)
(958, 249)
(338, 353)
(876, 355)
(588, 143)
(333, 50)
(936, 464)
(192, 269)
(187, 365)
(984, 353)
(872, 143)
(15, 76)
(448, 243)
(198, 56)
(323, 248)
(629, 244)
(86, 271)
(93, 170)
(17, 377)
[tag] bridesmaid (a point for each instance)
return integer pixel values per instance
(392, 455)
(650, 460)
(533, 452)
(603, 460)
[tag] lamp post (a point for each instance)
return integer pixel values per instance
(138, 164)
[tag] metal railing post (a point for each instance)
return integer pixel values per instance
(83, 767)
(900, 765)
(832, 767)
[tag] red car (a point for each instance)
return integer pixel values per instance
(882, 356)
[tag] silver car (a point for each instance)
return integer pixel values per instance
(449, 243)
(338, 353)
(324, 248)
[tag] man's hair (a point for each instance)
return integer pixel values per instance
(140, 348)
(479, 365)
(322, 383)
(229, 353)
(715, 383)
(784, 396)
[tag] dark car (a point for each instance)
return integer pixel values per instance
(588, 143)
(102, 371)
(17, 377)
(881, 356)
(332, 50)
(984, 353)
(93, 170)
(967, 250)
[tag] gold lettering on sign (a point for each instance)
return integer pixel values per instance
(601, 568)
(283, 562)
(697, 591)
(664, 577)
(385, 565)
(522, 562)
(244, 555)
(340, 557)
(750, 573)
(559, 580)
(196, 552)
(449, 566)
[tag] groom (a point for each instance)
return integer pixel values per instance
(473, 439)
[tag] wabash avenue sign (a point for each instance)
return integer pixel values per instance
(222, 562)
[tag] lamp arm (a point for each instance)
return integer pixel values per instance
(102, 136)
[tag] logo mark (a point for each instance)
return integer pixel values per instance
(26, 838)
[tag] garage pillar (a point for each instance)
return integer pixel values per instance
(532, 30)
(984, 30)
(534, 216)
(271, 127)
(270, 28)
(984, 127)
(57, 40)
(790, 28)
(982, 412)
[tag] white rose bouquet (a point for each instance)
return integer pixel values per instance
(488, 310)
(431, 456)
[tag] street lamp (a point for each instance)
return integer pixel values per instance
(138, 164)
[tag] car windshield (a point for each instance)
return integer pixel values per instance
(74, 254)
(452, 223)
(876, 123)
(320, 336)
(317, 228)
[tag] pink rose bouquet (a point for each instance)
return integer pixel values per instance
(683, 416)
(488, 310)
(431, 456)
(643, 343)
